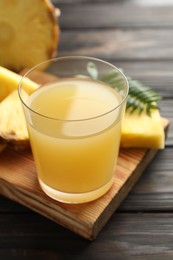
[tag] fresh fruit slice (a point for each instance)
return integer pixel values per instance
(13, 128)
(29, 33)
(143, 130)
(9, 81)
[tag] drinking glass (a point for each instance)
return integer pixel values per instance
(74, 123)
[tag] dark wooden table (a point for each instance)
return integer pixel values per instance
(139, 39)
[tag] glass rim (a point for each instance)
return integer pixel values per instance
(49, 61)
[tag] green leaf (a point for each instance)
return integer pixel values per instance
(145, 95)
(141, 98)
(92, 70)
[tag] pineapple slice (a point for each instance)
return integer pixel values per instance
(143, 131)
(29, 33)
(13, 128)
(9, 81)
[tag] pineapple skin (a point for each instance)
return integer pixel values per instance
(143, 131)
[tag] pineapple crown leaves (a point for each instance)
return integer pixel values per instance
(140, 98)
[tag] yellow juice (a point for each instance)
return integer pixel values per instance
(76, 142)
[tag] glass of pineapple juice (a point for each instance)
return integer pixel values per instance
(74, 123)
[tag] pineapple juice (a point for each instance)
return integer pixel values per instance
(75, 138)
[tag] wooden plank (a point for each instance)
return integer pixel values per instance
(156, 74)
(128, 236)
(141, 44)
(153, 192)
(114, 15)
(166, 108)
(152, 202)
(18, 182)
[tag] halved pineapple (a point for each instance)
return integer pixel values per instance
(13, 128)
(143, 130)
(9, 81)
(29, 33)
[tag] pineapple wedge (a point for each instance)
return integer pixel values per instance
(143, 131)
(9, 81)
(29, 33)
(13, 128)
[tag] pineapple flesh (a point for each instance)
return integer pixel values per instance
(9, 81)
(143, 130)
(29, 33)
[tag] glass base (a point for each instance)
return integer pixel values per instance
(75, 198)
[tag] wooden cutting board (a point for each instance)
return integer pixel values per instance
(18, 182)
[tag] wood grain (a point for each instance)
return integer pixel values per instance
(113, 15)
(128, 236)
(154, 74)
(119, 44)
(18, 181)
